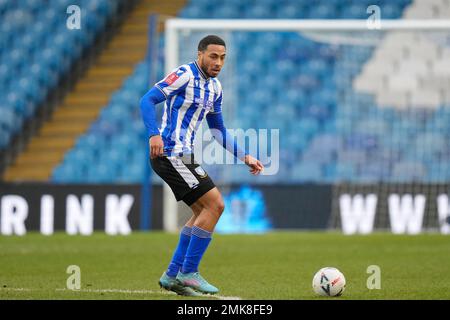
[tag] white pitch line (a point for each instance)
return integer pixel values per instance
(117, 291)
(18, 289)
(227, 298)
(126, 291)
(145, 292)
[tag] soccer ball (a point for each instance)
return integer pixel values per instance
(328, 281)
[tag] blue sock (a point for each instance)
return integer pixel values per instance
(200, 240)
(178, 256)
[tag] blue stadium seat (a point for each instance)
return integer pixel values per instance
(29, 89)
(408, 172)
(193, 12)
(303, 87)
(318, 111)
(43, 75)
(100, 6)
(294, 141)
(285, 67)
(390, 11)
(89, 141)
(307, 82)
(102, 172)
(133, 173)
(14, 58)
(4, 138)
(361, 141)
(307, 172)
(68, 173)
(291, 11)
(355, 11)
(36, 48)
(316, 67)
(327, 142)
(19, 104)
(83, 156)
(281, 111)
(430, 143)
(318, 156)
(63, 4)
(5, 5)
(355, 157)
(8, 120)
(345, 172)
(323, 11)
(31, 5)
(306, 126)
(258, 11)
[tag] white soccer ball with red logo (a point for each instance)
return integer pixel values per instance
(329, 281)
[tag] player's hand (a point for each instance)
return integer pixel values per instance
(156, 146)
(256, 167)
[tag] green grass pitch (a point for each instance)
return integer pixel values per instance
(278, 265)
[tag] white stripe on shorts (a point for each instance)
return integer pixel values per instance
(185, 173)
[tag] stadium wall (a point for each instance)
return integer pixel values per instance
(116, 209)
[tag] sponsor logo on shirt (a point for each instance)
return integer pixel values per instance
(206, 104)
(171, 78)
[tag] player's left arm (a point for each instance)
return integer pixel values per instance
(229, 142)
(221, 134)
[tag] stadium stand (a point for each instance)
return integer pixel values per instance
(327, 135)
(81, 106)
(41, 57)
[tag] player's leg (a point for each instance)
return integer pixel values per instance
(185, 236)
(163, 167)
(196, 210)
(168, 280)
(190, 183)
(211, 207)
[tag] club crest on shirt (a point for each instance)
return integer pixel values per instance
(200, 172)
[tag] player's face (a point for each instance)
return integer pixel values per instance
(212, 59)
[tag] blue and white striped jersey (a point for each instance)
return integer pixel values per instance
(190, 96)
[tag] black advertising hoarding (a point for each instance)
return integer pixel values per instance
(76, 209)
(116, 209)
(260, 208)
(398, 208)
(297, 206)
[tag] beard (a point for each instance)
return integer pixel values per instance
(204, 69)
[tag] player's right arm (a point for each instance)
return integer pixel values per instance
(148, 103)
(171, 85)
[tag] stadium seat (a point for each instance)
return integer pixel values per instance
(322, 11)
(345, 172)
(306, 172)
(306, 88)
(408, 172)
(4, 138)
(102, 173)
(68, 173)
(35, 52)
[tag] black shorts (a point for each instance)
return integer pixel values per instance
(185, 177)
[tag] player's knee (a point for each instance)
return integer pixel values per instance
(220, 206)
(217, 208)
